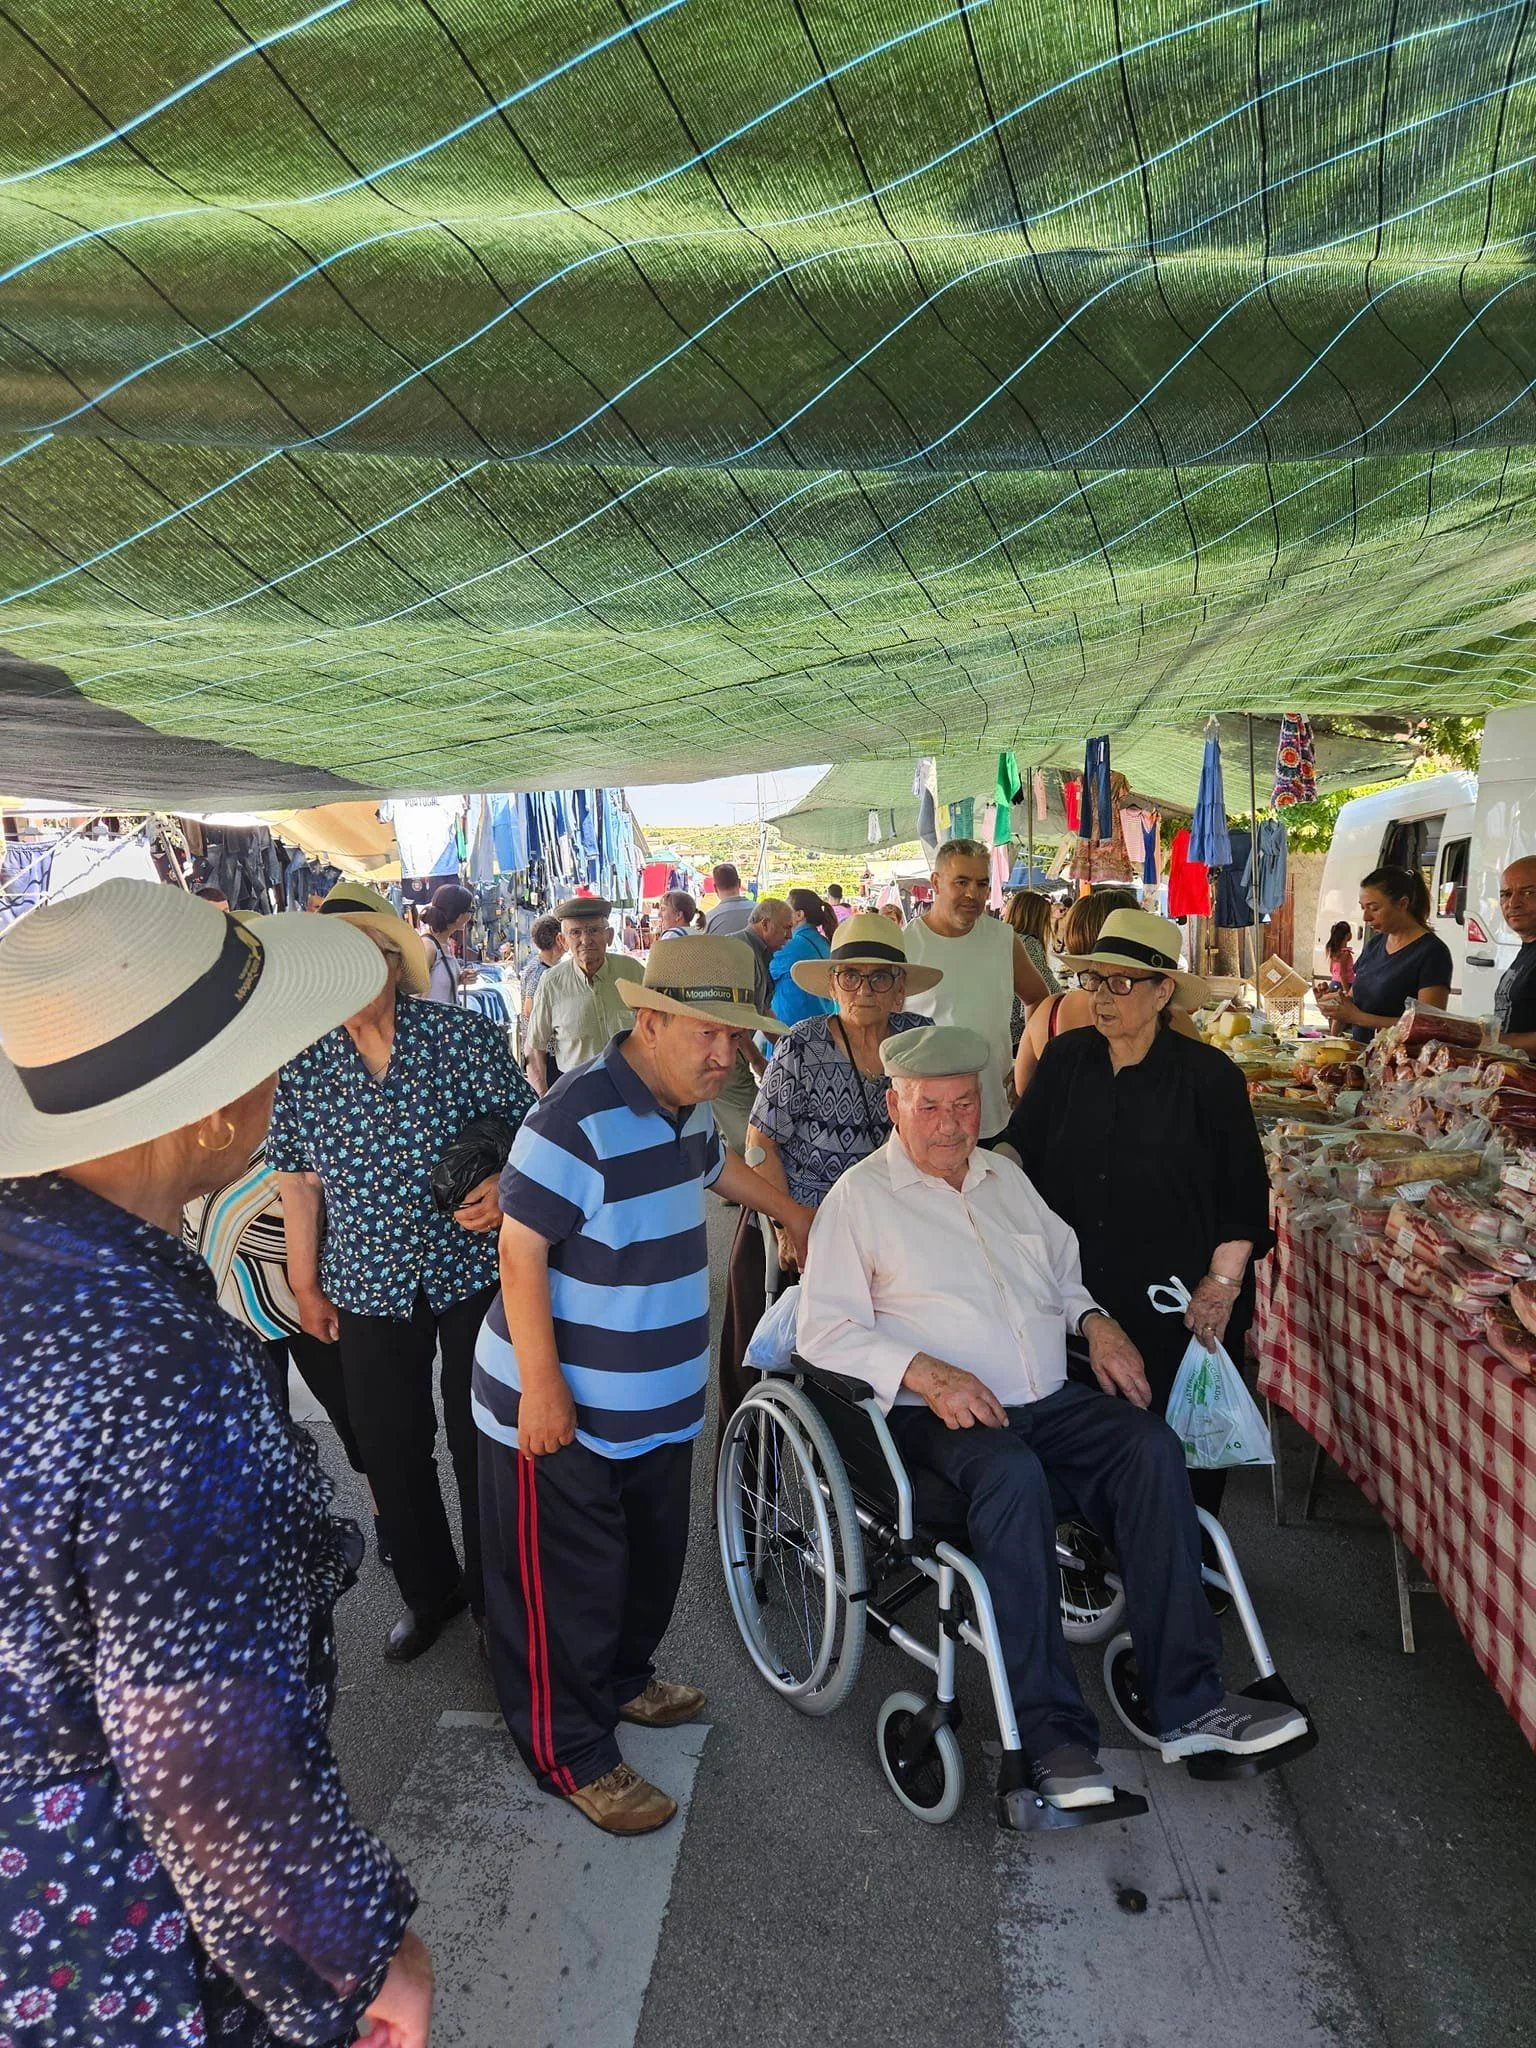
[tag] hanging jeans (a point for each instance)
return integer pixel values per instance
(1098, 817)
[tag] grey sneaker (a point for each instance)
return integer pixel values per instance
(1239, 1725)
(1072, 1776)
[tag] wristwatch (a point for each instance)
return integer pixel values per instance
(1094, 1311)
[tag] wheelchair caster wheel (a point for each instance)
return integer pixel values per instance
(1122, 1681)
(932, 1786)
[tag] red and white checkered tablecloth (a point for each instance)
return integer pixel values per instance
(1435, 1430)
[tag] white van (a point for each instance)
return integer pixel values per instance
(1460, 831)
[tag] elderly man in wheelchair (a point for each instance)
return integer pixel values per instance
(933, 1325)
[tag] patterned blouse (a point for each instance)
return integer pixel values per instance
(821, 1111)
(178, 1861)
(373, 1144)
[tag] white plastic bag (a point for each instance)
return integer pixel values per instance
(772, 1344)
(1210, 1411)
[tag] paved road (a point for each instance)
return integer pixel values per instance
(1377, 1892)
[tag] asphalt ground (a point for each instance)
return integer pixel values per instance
(806, 1906)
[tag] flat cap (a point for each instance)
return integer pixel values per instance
(584, 906)
(934, 1050)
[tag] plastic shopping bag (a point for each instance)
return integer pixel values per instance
(772, 1344)
(1210, 1411)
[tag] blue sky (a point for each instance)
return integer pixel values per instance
(724, 801)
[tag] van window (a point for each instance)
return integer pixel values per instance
(1412, 843)
(1451, 894)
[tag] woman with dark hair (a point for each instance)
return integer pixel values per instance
(1029, 913)
(444, 918)
(809, 940)
(1401, 961)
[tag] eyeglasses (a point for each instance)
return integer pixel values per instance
(879, 982)
(1117, 984)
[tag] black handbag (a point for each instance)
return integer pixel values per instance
(478, 1151)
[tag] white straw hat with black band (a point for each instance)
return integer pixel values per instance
(134, 1008)
(1137, 942)
(702, 977)
(865, 940)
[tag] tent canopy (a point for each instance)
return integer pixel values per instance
(394, 396)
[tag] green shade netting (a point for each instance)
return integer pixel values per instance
(462, 395)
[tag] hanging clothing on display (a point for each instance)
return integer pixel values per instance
(1273, 857)
(962, 818)
(1037, 781)
(1097, 820)
(1104, 858)
(873, 829)
(24, 879)
(1295, 763)
(925, 787)
(1002, 863)
(1234, 883)
(1010, 785)
(988, 832)
(1071, 797)
(1151, 847)
(1189, 881)
(1208, 832)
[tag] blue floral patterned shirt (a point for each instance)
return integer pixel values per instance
(373, 1145)
(177, 1855)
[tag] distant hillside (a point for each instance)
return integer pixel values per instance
(789, 867)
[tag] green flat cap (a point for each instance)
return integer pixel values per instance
(936, 1049)
(584, 906)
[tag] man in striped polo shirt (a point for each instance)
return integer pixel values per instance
(591, 1372)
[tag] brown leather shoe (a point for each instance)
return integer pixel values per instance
(621, 1802)
(664, 1704)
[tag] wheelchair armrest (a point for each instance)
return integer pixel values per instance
(839, 1384)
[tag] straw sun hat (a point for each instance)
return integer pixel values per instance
(134, 1008)
(365, 907)
(1134, 941)
(702, 977)
(865, 940)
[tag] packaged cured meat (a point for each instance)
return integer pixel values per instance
(1442, 1056)
(1519, 1173)
(1520, 1204)
(1479, 1221)
(1503, 1072)
(1461, 1279)
(1407, 1274)
(1510, 1338)
(1421, 1165)
(1369, 1222)
(1420, 1023)
(1381, 1145)
(1522, 1299)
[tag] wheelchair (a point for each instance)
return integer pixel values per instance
(825, 1535)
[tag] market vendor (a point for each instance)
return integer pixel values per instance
(1402, 962)
(1514, 1000)
(1144, 1142)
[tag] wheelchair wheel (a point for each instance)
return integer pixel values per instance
(1122, 1681)
(1092, 1597)
(932, 1788)
(792, 1548)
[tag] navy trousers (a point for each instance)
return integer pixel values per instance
(583, 1559)
(1124, 1470)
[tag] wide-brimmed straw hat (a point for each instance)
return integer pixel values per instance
(134, 1008)
(865, 940)
(365, 907)
(1136, 942)
(702, 977)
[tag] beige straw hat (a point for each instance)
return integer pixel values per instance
(702, 977)
(363, 906)
(134, 1008)
(1134, 941)
(865, 940)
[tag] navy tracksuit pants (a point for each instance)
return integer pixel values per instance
(1124, 1471)
(583, 1556)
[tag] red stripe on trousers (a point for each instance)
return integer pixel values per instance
(538, 1632)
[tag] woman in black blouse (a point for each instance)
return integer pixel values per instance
(1402, 960)
(1143, 1140)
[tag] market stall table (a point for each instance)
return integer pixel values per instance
(1436, 1431)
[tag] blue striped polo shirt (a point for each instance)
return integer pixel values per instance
(617, 1187)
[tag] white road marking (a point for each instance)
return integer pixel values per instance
(1196, 1926)
(543, 1929)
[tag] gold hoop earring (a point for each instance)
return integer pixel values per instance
(204, 1146)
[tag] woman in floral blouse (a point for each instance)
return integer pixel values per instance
(178, 1860)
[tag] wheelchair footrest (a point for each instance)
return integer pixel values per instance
(1025, 1812)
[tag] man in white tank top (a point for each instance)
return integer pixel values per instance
(983, 962)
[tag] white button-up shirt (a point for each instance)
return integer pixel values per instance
(985, 1277)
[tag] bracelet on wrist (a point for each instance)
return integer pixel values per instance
(1222, 1280)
